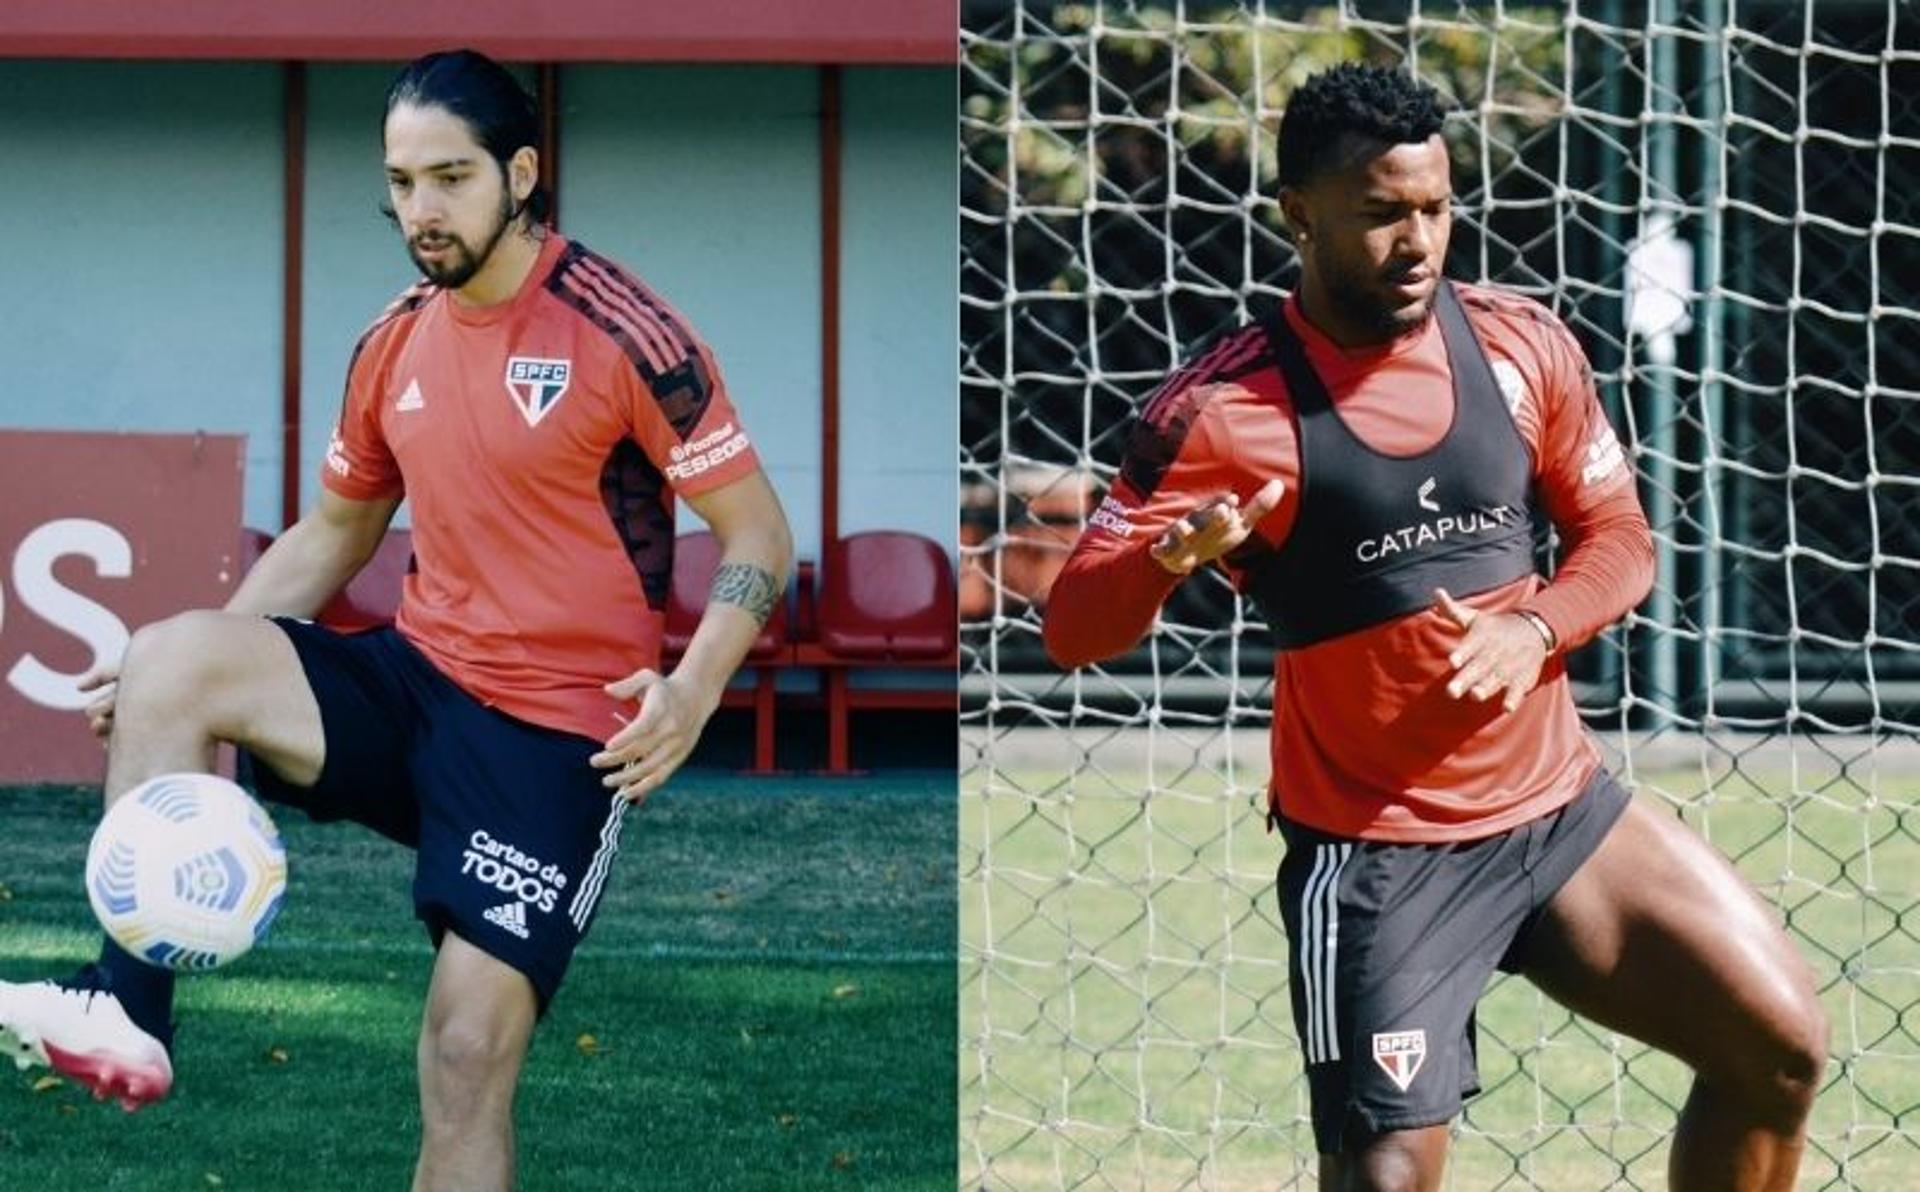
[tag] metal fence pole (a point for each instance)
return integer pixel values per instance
(1711, 343)
(1662, 403)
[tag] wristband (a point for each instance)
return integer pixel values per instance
(1546, 631)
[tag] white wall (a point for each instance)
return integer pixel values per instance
(899, 302)
(141, 217)
(354, 260)
(706, 183)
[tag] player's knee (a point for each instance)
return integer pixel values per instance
(1395, 1162)
(180, 669)
(467, 1055)
(1800, 1062)
(171, 659)
(1783, 1062)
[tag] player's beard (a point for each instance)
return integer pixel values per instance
(1364, 309)
(1351, 290)
(457, 268)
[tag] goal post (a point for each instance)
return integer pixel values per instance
(1722, 200)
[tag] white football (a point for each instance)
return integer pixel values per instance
(186, 871)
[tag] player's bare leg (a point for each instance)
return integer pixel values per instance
(1659, 938)
(186, 683)
(1397, 1161)
(480, 1016)
(194, 680)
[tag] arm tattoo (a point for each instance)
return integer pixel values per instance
(750, 587)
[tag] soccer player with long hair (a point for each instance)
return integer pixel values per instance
(542, 409)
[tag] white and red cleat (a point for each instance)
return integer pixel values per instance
(83, 1033)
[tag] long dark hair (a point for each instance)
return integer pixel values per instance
(498, 112)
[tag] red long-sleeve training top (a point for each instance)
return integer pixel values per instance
(1385, 754)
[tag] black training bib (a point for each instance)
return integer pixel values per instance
(1375, 534)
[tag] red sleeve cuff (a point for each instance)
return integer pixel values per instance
(360, 490)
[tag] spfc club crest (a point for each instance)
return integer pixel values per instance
(537, 385)
(1400, 1054)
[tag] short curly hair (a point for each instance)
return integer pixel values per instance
(1377, 103)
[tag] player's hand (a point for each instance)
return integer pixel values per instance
(649, 748)
(1499, 653)
(104, 681)
(1214, 527)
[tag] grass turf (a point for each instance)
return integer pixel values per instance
(766, 1002)
(1125, 1019)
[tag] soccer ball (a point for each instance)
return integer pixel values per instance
(186, 871)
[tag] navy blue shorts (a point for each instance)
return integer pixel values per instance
(514, 832)
(1392, 945)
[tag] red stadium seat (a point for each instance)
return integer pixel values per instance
(887, 596)
(886, 599)
(696, 557)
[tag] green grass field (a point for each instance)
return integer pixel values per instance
(769, 991)
(1125, 1023)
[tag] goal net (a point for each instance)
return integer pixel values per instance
(1722, 199)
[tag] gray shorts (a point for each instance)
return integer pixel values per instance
(1392, 945)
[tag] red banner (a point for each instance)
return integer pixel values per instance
(99, 535)
(820, 31)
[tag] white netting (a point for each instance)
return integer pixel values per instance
(1723, 200)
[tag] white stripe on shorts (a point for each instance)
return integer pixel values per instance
(596, 877)
(1309, 940)
(1329, 999)
(1319, 954)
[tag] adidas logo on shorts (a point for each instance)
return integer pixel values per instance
(509, 917)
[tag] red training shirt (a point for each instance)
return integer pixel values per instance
(541, 441)
(1366, 741)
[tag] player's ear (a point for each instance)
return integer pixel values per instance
(523, 172)
(1293, 208)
